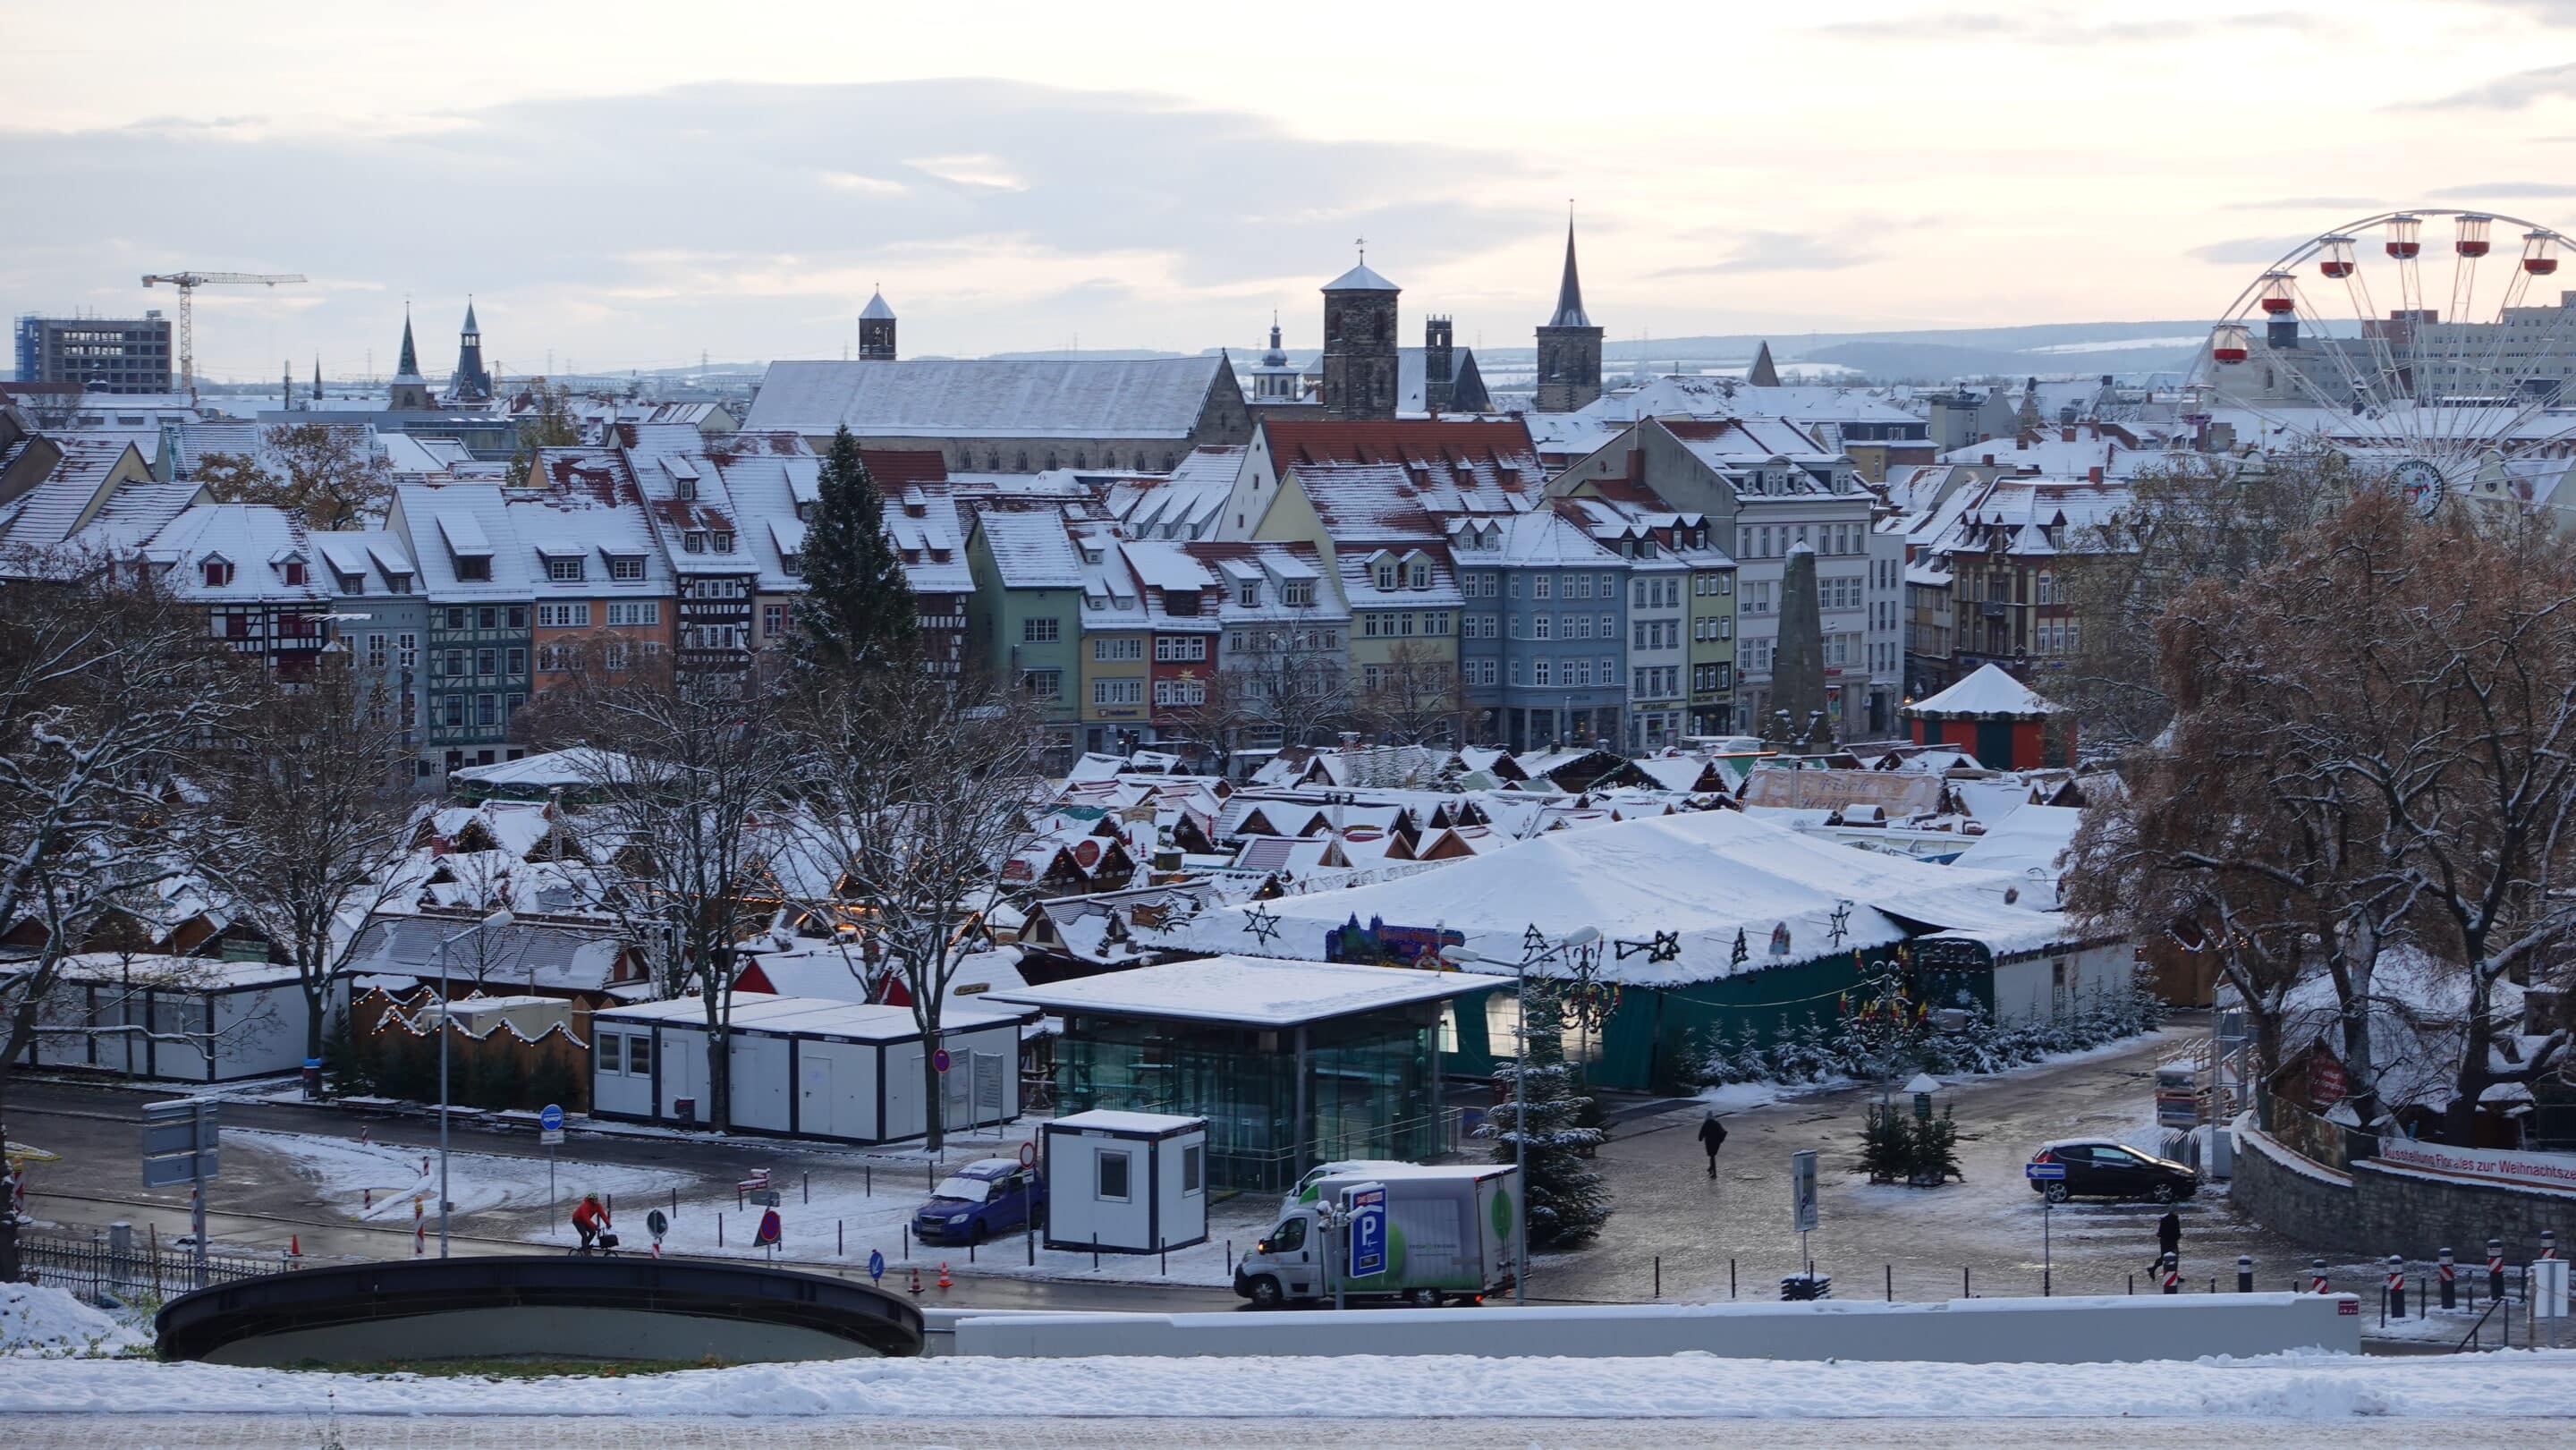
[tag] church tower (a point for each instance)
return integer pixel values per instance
(471, 382)
(1274, 381)
(876, 330)
(410, 393)
(1359, 344)
(1569, 346)
(317, 380)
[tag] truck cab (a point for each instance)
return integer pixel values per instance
(1449, 1235)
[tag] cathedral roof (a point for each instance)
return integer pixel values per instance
(1569, 291)
(1361, 279)
(989, 397)
(470, 324)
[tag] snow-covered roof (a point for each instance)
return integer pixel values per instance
(1031, 550)
(809, 1017)
(1254, 991)
(1360, 279)
(1987, 692)
(1705, 875)
(988, 397)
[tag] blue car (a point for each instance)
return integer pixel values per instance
(987, 1197)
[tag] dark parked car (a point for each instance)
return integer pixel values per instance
(2100, 1168)
(986, 1197)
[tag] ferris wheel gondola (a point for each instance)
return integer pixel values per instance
(2466, 391)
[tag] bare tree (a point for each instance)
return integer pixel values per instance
(105, 683)
(2192, 519)
(308, 822)
(1281, 684)
(690, 775)
(2374, 749)
(916, 793)
(328, 472)
(1413, 698)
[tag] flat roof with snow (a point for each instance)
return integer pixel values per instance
(809, 1016)
(1253, 991)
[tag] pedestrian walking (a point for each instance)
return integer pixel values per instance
(2169, 1236)
(1712, 1136)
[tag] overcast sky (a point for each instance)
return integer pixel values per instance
(632, 185)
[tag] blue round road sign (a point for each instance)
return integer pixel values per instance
(939, 1059)
(550, 1118)
(876, 1265)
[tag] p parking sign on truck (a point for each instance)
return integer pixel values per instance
(1367, 1208)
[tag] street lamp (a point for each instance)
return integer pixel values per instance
(1460, 956)
(446, 1020)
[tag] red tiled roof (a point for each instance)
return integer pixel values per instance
(1500, 443)
(895, 469)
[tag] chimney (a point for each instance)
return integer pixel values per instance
(2066, 436)
(1988, 460)
(2094, 475)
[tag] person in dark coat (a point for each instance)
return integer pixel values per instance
(2169, 1237)
(1712, 1136)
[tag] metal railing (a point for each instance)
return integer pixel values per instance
(96, 1270)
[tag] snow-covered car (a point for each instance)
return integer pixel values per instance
(2101, 1168)
(987, 1197)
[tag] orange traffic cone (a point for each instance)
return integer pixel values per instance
(295, 1246)
(916, 1280)
(944, 1281)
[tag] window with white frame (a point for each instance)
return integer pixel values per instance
(1041, 630)
(1420, 574)
(1117, 648)
(1539, 625)
(626, 568)
(1542, 586)
(1168, 693)
(1118, 692)
(565, 571)
(563, 616)
(633, 612)
(1181, 648)
(1539, 670)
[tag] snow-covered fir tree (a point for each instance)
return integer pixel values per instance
(857, 611)
(1568, 1202)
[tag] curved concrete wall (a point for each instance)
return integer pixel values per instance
(1962, 1331)
(2375, 1210)
(541, 1332)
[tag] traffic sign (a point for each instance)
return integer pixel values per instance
(657, 1223)
(765, 1197)
(1802, 1190)
(2043, 1172)
(768, 1235)
(1366, 1205)
(939, 1060)
(550, 1124)
(876, 1265)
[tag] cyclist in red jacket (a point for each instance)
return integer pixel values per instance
(590, 1219)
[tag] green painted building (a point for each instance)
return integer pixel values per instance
(1024, 621)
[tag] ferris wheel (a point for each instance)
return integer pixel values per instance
(2425, 360)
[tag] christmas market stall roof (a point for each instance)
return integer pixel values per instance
(1988, 694)
(1702, 880)
(1244, 990)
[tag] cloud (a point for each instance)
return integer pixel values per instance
(2547, 12)
(2253, 251)
(1777, 252)
(2505, 93)
(2309, 203)
(2502, 190)
(750, 220)
(2059, 26)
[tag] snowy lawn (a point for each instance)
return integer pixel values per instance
(350, 1174)
(2303, 1387)
(47, 1322)
(843, 1222)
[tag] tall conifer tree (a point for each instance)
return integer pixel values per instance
(857, 611)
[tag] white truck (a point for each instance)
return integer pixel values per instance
(1449, 1236)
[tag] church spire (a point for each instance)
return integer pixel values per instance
(1763, 374)
(1569, 291)
(317, 379)
(409, 367)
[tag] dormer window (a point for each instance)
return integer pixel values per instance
(938, 555)
(292, 571)
(1248, 594)
(1297, 593)
(804, 509)
(794, 564)
(349, 583)
(694, 541)
(687, 490)
(398, 583)
(1386, 577)
(219, 572)
(724, 541)
(626, 568)
(565, 571)
(474, 569)
(1421, 574)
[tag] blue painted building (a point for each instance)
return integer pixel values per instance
(1543, 654)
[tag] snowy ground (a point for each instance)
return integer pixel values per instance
(45, 1322)
(843, 1221)
(1691, 1386)
(380, 1182)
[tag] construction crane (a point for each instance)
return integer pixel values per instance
(188, 283)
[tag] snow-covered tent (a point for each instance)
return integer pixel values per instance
(2007, 724)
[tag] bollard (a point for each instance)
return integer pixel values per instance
(1891, 1283)
(1659, 1276)
(2396, 1286)
(809, 1188)
(2495, 1268)
(2244, 1273)
(2133, 1283)
(2449, 1294)
(1730, 1278)
(2172, 1274)
(868, 1180)
(970, 1248)
(1964, 1291)
(1030, 1236)
(719, 1228)
(1229, 1258)
(675, 1203)
(840, 1245)
(2316, 1276)
(1095, 1251)
(1164, 1253)
(2549, 1243)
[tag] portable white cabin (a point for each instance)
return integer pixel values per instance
(805, 1067)
(195, 1019)
(1130, 1183)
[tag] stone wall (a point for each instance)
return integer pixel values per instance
(2382, 1211)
